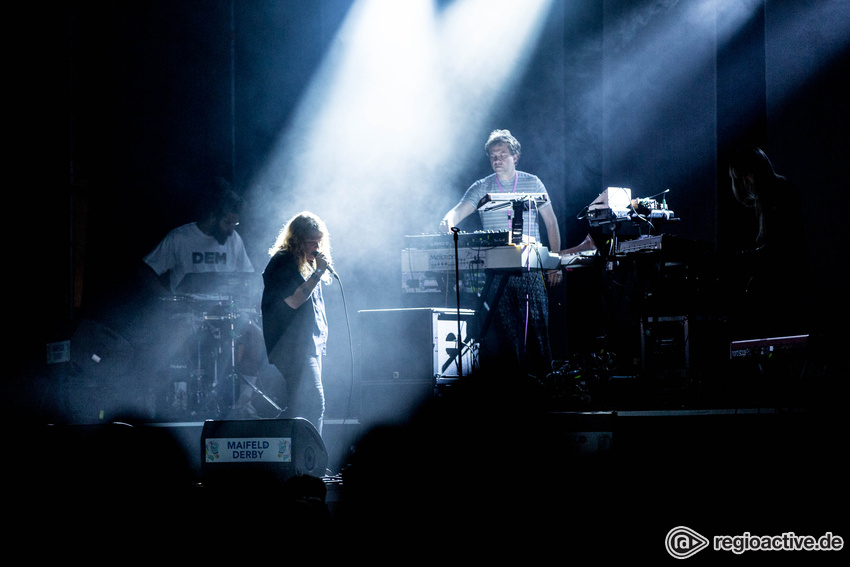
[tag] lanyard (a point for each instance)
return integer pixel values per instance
(502, 189)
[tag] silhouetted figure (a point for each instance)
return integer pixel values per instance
(773, 267)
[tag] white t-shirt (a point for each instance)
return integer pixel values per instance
(187, 250)
(501, 219)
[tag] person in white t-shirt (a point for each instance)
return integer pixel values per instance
(210, 244)
(189, 332)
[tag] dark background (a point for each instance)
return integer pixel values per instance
(125, 109)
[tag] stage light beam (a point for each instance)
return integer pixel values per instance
(389, 115)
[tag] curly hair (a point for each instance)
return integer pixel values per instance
(293, 235)
(503, 137)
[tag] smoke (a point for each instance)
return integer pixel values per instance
(386, 125)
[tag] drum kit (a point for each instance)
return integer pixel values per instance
(215, 353)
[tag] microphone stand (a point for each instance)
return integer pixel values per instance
(456, 230)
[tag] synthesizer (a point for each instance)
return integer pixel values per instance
(508, 257)
(579, 259)
(475, 239)
(765, 347)
(664, 243)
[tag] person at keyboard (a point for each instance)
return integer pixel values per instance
(522, 318)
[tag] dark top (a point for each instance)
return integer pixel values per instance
(775, 269)
(291, 332)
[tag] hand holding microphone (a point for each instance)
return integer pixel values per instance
(322, 263)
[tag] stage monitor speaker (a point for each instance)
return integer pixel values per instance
(260, 451)
(665, 352)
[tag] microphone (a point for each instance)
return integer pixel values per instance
(329, 267)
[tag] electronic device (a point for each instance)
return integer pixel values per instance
(612, 204)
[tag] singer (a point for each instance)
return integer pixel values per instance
(295, 327)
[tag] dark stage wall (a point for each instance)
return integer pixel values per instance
(153, 98)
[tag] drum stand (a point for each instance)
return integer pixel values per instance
(207, 376)
(235, 376)
(204, 398)
(208, 369)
